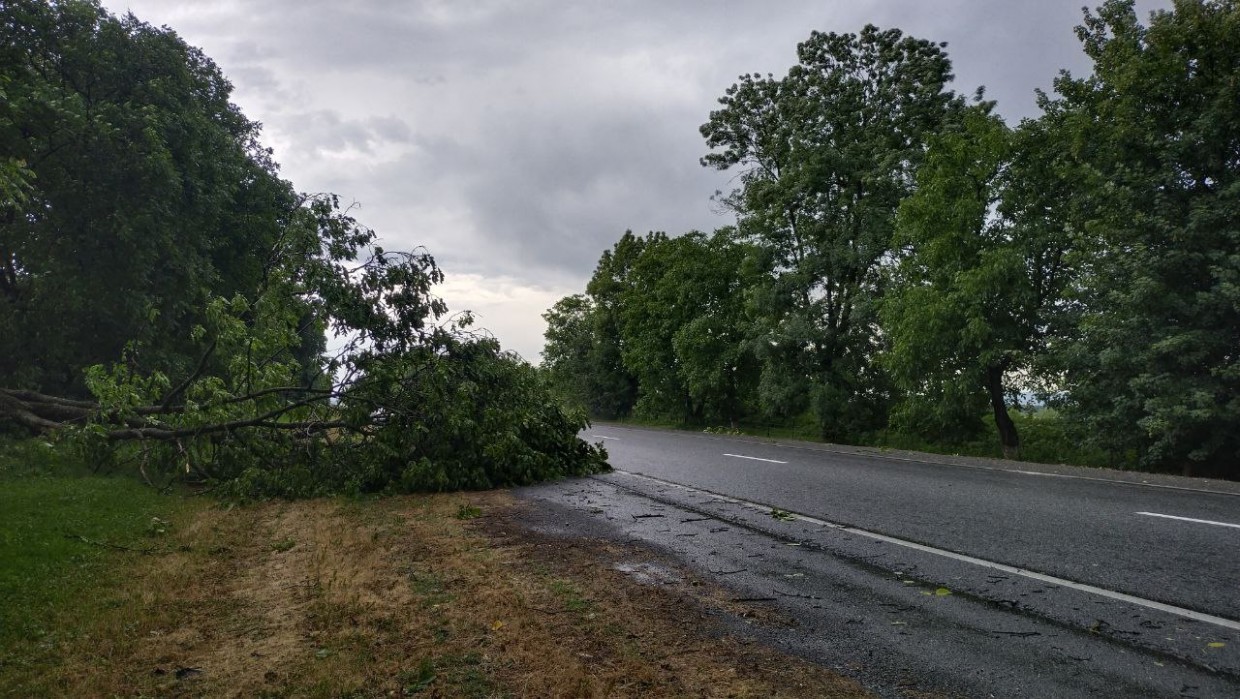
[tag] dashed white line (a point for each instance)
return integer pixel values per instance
(1083, 587)
(603, 436)
(825, 449)
(755, 458)
(1190, 519)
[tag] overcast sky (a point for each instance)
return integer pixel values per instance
(517, 139)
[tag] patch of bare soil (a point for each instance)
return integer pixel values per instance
(441, 596)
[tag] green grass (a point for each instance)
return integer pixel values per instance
(570, 594)
(59, 525)
(1045, 438)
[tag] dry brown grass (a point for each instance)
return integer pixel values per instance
(400, 597)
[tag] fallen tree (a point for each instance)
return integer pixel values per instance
(411, 399)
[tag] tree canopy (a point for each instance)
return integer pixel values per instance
(1151, 363)
(662, 320)
(982, 265)
(827, 152)
(136, 191)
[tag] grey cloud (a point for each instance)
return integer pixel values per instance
(247, 51)
(550, 179)
(390, 129)
(545, 196)
(328, 130)
(437, 38)
(260, 79)
(558, 197)
(385, 36)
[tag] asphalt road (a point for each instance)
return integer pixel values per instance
(1052, 585)
(1086, 531)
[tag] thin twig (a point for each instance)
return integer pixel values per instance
(198, 370)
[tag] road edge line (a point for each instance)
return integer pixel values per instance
(964, 558)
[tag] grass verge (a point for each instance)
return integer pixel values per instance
(66, 540)
(441, 596)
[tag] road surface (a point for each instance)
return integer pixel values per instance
(959, 578)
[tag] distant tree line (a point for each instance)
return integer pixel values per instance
(906, 261)
(166, 298)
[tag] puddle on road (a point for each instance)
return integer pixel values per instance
(648, 573)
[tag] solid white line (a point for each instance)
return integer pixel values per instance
(1083, 587)
(754, 458)
(1190, 519)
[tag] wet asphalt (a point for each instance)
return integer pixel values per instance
(904, 620)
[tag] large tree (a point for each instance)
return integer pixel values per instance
(1154, 367)
(826, 154)
(131, 190)
(683, 327)
(615, 385)
(983, 263)
(584, 353)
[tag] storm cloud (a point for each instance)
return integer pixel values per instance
(517, 140)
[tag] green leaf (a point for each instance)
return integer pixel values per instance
(782, 515)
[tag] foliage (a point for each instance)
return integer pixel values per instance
(568, 358)
(983, 264)
(827, 152)
(717, 365)
(583, 358)
(683, 327)
(647, 320)
(1046, 438)
(606, 287)
(670, 310)
(131, 189)
(1151, 366)
(408, 403)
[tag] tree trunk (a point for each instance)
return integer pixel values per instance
(1008, 439)
(41, 414)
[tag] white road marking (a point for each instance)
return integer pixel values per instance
(754, 458)
(1190, 519)
(890, 457)
(1083, 587)
(601, 436)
